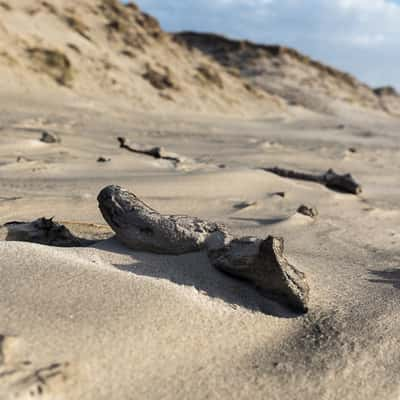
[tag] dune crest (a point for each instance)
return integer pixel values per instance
(292, 75)
(102, 48)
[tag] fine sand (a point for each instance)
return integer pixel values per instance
(106, 322)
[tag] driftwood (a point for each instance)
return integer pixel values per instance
(142, 228)
(44, 231)
(156, 152)
(49, 137)
(262, 262)
(259, 261)
(332, 180)
(308, 211)
(102, 159)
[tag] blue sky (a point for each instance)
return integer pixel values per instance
(359, 36)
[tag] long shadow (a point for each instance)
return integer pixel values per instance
(262, 221)
(194, 270)
(389, 276)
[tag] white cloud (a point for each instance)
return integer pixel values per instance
(361, 36)
(367, 40)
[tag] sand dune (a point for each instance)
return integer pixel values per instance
(97, 49)
(294, 76)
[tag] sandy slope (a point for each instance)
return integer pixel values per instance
(106, 322)
(293, 76)
(100, 49)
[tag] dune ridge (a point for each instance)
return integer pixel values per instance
(100, 48)
(292, 75)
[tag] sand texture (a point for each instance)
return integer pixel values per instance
(108, 322)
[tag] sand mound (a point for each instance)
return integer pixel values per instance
(104, 48)
(291, 75)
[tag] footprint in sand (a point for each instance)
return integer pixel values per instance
(24, 379)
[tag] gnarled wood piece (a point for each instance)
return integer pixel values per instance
(141, 228)
(102, 159)
(344, 183)
(48, 137)
(308, 211)
(332, 180)
(156, 152)
(44, 231)
(262, 262)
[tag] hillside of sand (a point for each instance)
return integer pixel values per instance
(92, 50)
(293, 76)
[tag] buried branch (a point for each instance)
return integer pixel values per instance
(141, 228)
(332, 180)
(262, 263)
(259, 261)
(155, 152)
(44, 231)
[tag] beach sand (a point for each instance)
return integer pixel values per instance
(106, 322)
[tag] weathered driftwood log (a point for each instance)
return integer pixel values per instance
(142, 228)
(48, 137)
(259, 261)
(332, 180)
(262, 262)
(102, 159)
(308, 211)
(156, 152)
(44, 231)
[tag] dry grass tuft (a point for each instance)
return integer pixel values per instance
(53, 63)
(78, 26)
(207, 74)
(5, 6)
(8, 58)
(386, 91)
(159, 80)
(50, 7)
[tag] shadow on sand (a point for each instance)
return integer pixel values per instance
(261, 221)
(194, 270)
(389, 276)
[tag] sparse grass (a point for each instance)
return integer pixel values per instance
(32, 10)
(118, 25)
(149, 24)
(166, 96)
(121, 28)
(74, 47)
(78, 26)
(234, 71)
(128, 53)
(50, 7)
(386, 91)
(5, 6)
(159, 80)
(208, 74)
(132, 6)
(53, 63)
(222, 48)
(112, 8)
(8, 58)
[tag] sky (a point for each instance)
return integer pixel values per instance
(359, 36)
